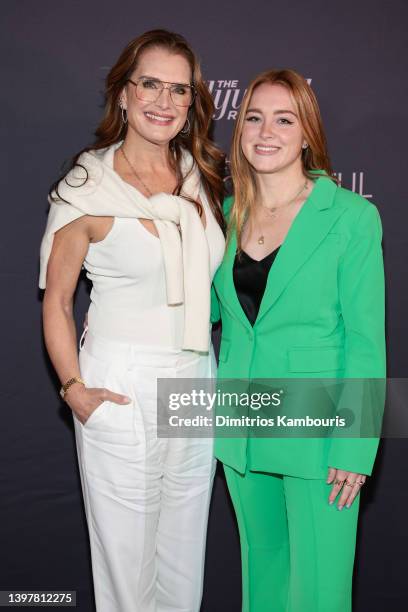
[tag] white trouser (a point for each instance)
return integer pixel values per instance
(146, 498)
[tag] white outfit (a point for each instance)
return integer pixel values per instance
(128, 298)
(92, 187)
(146, 498)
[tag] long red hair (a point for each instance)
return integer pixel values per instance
(315, 157)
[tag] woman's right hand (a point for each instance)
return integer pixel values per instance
(84, 401)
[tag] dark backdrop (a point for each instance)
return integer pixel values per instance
(54, 58)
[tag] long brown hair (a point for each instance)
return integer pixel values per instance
(208, 157)
(314, 157)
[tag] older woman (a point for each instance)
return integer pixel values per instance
(140, 210)
(301, 295)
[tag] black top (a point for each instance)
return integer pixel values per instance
(250, 278)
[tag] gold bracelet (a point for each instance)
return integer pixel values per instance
(68, 384)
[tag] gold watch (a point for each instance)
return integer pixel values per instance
(68, 384)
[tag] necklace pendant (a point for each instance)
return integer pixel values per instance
(261, 240)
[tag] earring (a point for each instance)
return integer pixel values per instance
(186, 130)
(304, 145)
(123, 112)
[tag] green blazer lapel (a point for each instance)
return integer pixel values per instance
(308, 229)
(224, 283)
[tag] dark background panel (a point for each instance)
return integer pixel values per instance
(55, 56)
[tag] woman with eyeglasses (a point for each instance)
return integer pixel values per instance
(140, 211)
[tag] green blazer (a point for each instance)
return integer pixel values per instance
(322, 315)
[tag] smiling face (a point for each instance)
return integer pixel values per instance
(159, 121)
(272, 135)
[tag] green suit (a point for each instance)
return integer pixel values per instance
(321, 316)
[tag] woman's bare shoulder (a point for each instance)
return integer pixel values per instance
(94, 228)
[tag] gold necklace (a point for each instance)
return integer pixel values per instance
(137, 176)
(273, 211)
(135, 173)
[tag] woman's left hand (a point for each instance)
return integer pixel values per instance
(349, 483)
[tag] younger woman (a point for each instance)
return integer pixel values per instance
(300, 294)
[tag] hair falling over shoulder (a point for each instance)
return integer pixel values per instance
(208, 157)
(314, 157)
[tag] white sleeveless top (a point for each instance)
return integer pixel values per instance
(128, 297)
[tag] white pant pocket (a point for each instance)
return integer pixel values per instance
(95, 414)
(108, 417)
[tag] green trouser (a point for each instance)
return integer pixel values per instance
(297, 551)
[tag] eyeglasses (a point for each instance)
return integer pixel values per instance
(150, 89)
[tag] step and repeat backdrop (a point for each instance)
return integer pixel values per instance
(55, 56)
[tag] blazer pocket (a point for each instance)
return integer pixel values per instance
(224, 350)
(333, 237)
(314, 359)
